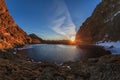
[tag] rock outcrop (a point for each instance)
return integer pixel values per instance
(35, 39)
(102, 25)
(20, 67)
(10, 33)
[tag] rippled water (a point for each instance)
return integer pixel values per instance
(56, 53)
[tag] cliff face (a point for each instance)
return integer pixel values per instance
(10, 34)
(102, 25)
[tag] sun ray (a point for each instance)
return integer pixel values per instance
(72, 38)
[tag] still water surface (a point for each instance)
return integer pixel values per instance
(57, 53)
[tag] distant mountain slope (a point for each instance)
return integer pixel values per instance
(10, 34)
(102, 25)
(35, 39)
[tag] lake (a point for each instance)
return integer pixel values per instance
(61, 53)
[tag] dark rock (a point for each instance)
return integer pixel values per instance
(93, 60)
(94, 51)
(17, 67)
(111, 47)
(35, 39)
(102, 25)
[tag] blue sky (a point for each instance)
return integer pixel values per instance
(51, 19)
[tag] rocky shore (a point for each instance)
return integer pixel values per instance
(19, 67)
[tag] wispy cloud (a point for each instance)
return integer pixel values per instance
(62, 22)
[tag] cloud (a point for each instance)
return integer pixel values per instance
(62, 22)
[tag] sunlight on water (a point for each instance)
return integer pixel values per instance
(57, 53)
(52, 53)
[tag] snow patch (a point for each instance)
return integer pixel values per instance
(109, 44)
(111, 19)
(68, 67)
(117, 13)
(114, 47)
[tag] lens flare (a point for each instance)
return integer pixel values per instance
(72, 38)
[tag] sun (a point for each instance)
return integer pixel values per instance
(72, 38)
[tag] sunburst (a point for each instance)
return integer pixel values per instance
(72, 38)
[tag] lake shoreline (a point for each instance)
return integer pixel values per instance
(18, 66)
(61, 53)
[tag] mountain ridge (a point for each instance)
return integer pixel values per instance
(11, 35)
(102, 25)
(35, 39)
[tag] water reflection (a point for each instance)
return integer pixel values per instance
(58, 53)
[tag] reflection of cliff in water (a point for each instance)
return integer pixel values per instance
(93, 51)
(62, 53)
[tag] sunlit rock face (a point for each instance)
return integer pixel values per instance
(102, 25)
(10, 34)
(35, 39)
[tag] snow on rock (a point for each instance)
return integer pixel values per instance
(109, 44)
(114, 47)
(112, 17)
(117, 13)
(68, 67)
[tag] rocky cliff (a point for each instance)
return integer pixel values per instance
(10, 34)
(102, 25)
(35, 39)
